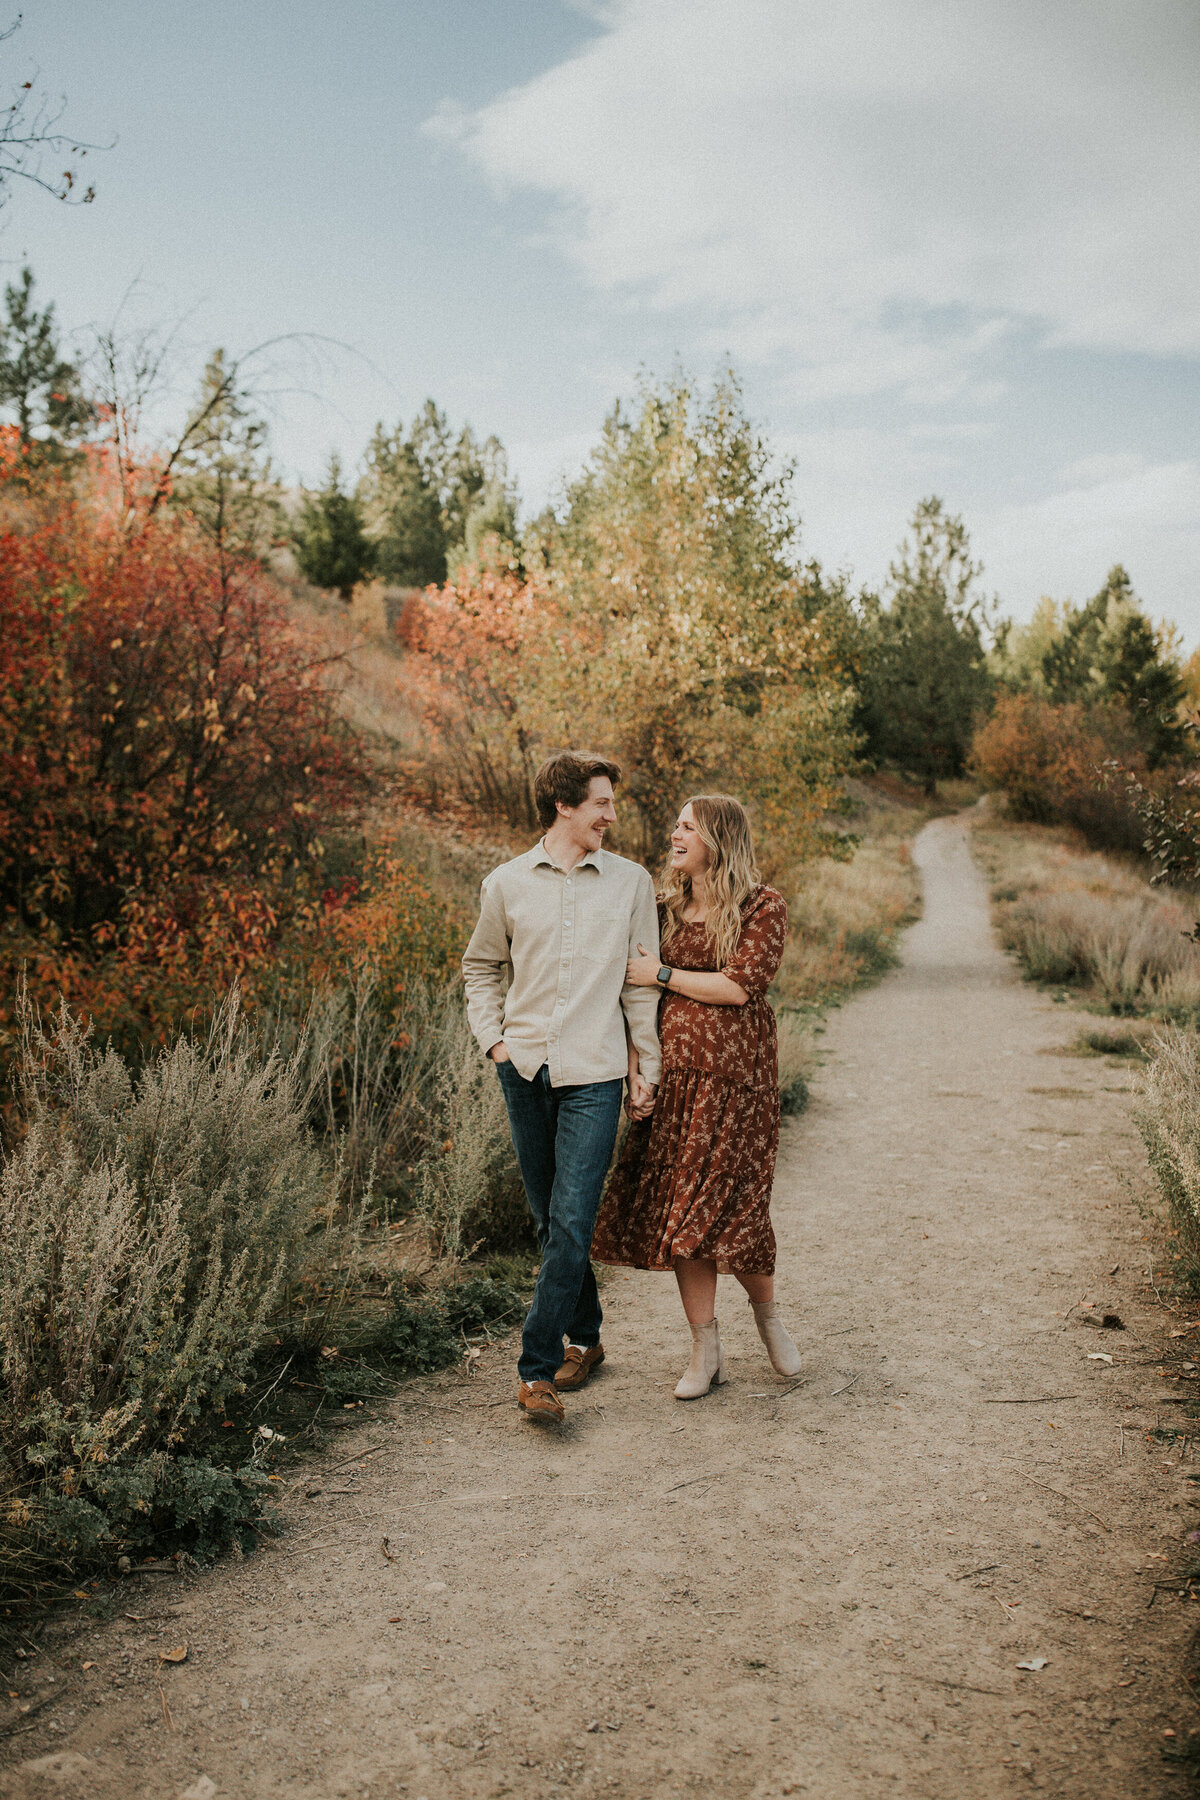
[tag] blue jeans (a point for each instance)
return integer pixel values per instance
(564, 1141)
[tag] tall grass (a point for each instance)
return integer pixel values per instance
(170, 1231)
(846, 917)
(469, 1190)
(1168, 1117)
(1079, 919)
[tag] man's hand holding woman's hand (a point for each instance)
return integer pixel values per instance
(639, 1101)
(499, 1052)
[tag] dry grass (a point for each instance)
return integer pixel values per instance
(846, 918)
(371, 673)
(1169, 1120)
(1075, 918)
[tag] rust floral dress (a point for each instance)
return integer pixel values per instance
(694, 1179)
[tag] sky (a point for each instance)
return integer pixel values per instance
(949, 246)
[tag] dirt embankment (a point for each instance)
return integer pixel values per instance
(824, 1589)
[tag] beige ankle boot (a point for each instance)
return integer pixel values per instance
(707, 1367)
(785, 1358)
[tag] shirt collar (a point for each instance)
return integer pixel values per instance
(539, 854)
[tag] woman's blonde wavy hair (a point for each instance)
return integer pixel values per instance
(731, 878)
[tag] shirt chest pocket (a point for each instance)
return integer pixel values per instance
(604, 936)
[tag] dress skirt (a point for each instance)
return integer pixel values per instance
(694, 1179)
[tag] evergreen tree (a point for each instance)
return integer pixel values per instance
(403, 513)
(1109, 652)
(332, 549)
(225, 480)
(924, 672)
(431, 498)
(36, 380)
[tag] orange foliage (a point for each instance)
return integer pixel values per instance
(1050, 762)
(486, 670)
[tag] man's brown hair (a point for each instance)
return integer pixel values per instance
(565, 777)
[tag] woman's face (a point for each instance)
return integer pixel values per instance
(689, 852)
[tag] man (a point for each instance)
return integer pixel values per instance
(563, 921)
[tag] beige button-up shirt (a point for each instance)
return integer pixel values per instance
(563, 937)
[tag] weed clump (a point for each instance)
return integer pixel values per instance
(795, 1064)
(1117, 1041)
(423, 1333)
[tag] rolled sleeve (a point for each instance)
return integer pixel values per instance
(640, 1004)
(755, 962)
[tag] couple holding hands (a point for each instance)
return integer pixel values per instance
(590, 953)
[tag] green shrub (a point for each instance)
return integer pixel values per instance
(157, 1503)
(148, 1226)
(419, 1335)
(426, 1332)
(483, 1300)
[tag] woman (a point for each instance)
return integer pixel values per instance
(692, 1187)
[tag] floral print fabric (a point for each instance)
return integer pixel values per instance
(694, 1180)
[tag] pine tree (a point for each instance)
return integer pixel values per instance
(332, 549)
(430, 498)
(924, 677)
(403, 512)
(1109, 652)
(36, 381)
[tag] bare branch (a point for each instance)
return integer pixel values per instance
(31, 144)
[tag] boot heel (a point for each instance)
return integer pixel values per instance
(706, 1370)
(784, 1356)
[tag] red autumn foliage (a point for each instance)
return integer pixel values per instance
(170, 746)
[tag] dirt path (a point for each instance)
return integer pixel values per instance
(825, 1591)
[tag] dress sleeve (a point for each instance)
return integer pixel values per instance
(760, 948)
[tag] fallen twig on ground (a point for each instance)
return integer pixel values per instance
(1077, 1504)
(1034, 1400)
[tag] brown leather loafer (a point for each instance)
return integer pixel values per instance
(578, 1366)
(538, 1400)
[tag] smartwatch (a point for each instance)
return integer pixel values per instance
(664, 976)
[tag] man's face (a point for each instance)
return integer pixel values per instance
(588, 822)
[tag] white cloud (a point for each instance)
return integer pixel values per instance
(1143, 514)
(875, 194)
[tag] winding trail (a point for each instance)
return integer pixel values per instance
(824, 1590)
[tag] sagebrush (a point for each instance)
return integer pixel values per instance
(149, 1225)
